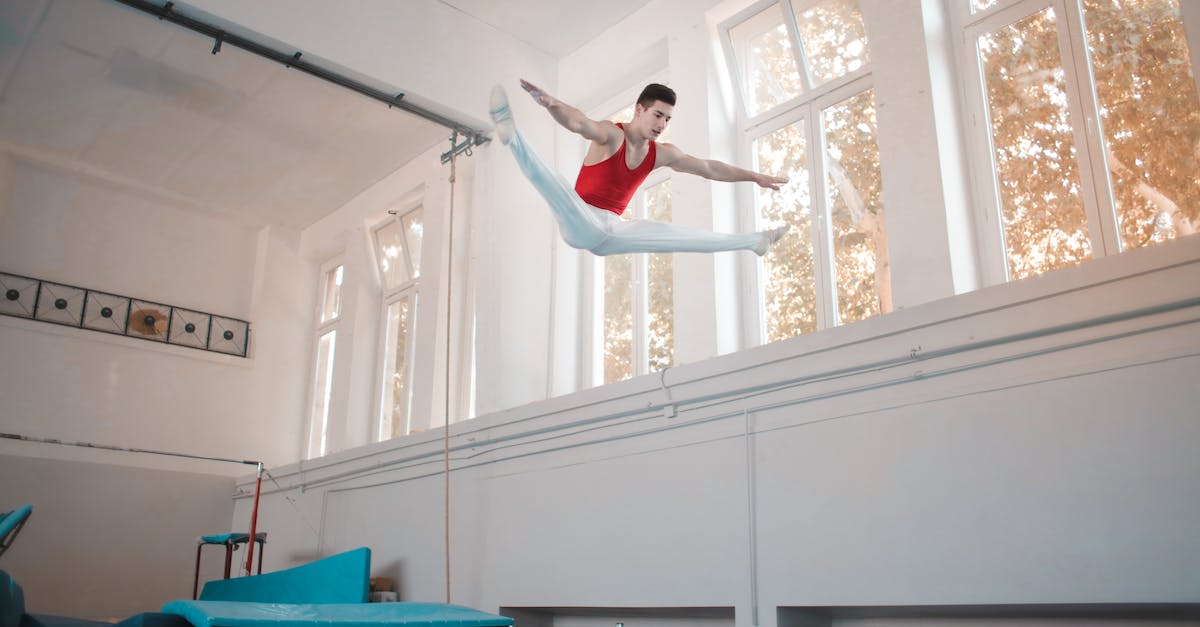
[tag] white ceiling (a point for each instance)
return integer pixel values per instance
(556, 27)
(97, 87)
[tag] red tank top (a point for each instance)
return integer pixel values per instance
(610, 184)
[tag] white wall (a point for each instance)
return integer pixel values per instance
(1023, 444)
(449, 62)
(63, 224)
(79, 385)
(928, 225)
(106, 540)
(503, 244)
(83, 385)
(941, 476)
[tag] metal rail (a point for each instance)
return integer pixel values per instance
(295, 59)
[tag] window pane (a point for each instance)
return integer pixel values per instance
(414, 233)
(766, 63)
(1036, 164)
(859, 230)
(396, 396)
(331, 299)
(1150, 116)
(618, 317)
(660, 290)
(834, 39)
(789, 288)
(322, 389)
(389, 249)
(981, 5)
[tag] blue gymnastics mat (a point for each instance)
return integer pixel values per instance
(10, 525)
(330, 592)
(341, 578)
(243, 614)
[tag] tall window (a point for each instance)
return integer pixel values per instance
(397, 245)
(638, 302)
(330, 289)
(1089, 136)
(808, 113)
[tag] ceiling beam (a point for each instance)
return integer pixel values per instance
(295, 59)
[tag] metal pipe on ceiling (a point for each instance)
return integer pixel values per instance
(296, 60)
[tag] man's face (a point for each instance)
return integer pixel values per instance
(653, 119)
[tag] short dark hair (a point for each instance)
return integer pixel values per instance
(655, 92)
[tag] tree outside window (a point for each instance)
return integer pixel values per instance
(1091, 144)
(639, 305)
(638, 308)
(809, 114)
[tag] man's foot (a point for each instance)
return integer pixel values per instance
(501, 115)
(769, 238)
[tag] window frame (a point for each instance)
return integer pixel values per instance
(595, 354)
(639, 359)
(747, 122)
(809, 107)
(1095, 180)
(318, 439)
(825, 275)
(409, 289)
(386, 345)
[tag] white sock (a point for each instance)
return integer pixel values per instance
(769, 237)
(501, 114)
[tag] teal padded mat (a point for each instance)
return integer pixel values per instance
(12, 601)
(10, 525)
(341, 578)
(235, 614)
(225, 538)
(10, 520)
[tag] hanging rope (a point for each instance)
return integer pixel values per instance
(449, 328)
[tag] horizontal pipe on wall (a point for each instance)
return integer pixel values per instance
(721, 402)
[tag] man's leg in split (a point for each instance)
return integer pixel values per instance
(648, 236)
(578, 225)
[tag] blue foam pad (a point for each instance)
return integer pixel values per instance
(10, 520)
(50, 620)
(341, 578)
(227, 538)
(154, 619)
(10, 525)
(12, 601)
(232, 614)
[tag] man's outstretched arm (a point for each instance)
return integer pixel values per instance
(714, 170)
(571, 118)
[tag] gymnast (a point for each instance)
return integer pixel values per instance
(619, 158)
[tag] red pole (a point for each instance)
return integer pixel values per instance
(254, 522)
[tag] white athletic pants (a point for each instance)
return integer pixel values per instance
(603, 232)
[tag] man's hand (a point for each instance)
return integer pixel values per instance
(539, 96)
(770, 182)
